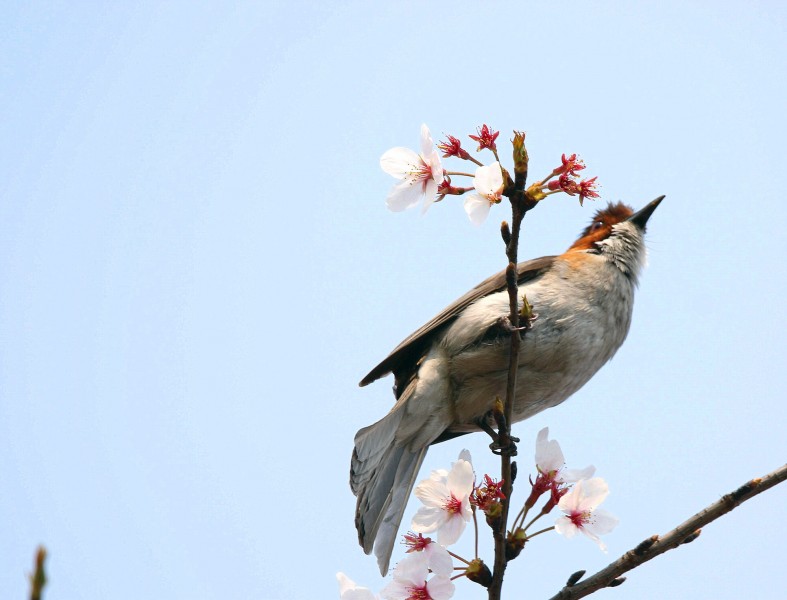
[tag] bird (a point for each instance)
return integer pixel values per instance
(448, 373)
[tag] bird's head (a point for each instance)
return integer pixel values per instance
(617, 233)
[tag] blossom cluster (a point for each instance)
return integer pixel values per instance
(450, 499)
(567, 181)
(410, 579)
(578, 503)
(422, 176)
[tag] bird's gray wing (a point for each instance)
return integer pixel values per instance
(407, 354)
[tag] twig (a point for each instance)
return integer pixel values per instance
(519, 207)
(38, 577)
(686, 532)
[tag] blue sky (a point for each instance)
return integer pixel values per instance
(197, 267)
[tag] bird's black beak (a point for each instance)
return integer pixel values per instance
(640, 218)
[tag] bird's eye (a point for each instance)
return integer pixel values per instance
(596, 225)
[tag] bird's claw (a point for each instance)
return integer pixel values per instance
(508, 449)
(504, 325)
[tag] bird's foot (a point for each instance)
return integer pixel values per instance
(503, 325)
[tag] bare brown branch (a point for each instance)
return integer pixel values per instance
(686, 532)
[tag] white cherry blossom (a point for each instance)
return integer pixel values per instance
(420, 174)
(349, 590)
(549, 459)
(488, 183)
(446, 498)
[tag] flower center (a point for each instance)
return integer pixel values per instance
(453, 506)
(420, 172)
(418, 593)
(416, 543)
(580, 518)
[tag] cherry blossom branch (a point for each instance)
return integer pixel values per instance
(686, 532)
(423, 177)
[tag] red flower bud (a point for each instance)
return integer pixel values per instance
(453, 147)
(570, 165)
(587, 189)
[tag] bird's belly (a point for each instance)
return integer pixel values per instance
(557, 357)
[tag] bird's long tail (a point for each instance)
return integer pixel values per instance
(382, 475)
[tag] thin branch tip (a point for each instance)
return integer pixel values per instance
(505, 232)
(692, 537)
(616, 582)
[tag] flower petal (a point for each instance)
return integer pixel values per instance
(430, 194)
(439, 475)
(602, 522)
(403, 195)
(586, 495)
(565, 527)
(451, 530)
(594, 492)
(438, 560)
(349, 590)
(427, 145)
(461, 479)
(428, 519)
(397, 589)
(602, 546)
(345, 583)
(440, 587)
(549, 456)
(477, 208)
(412, 568)
(436, 166)
(574, 475)
(399, 162)
(432, 492)
(488, 179)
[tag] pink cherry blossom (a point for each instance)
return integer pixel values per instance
(410, 582)
(438, 560)
(552, 476)
(580, 506)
